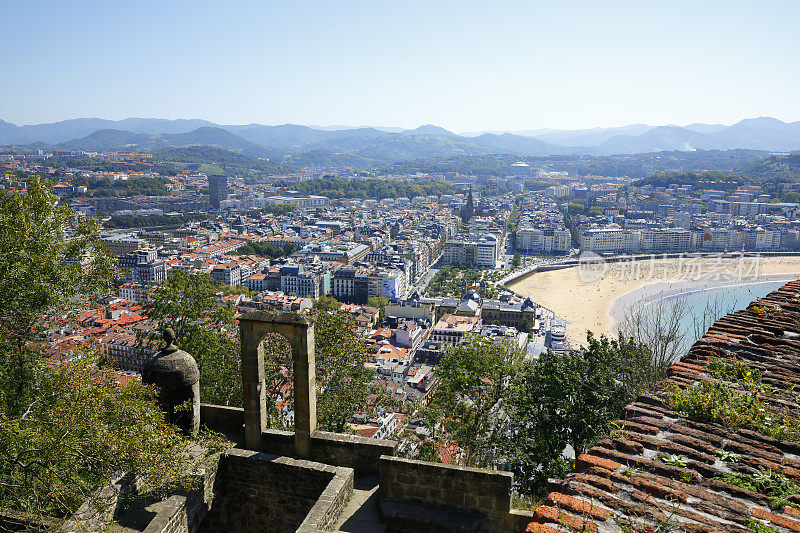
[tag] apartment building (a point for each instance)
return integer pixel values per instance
(294, 197)
(228, 273)
(143, 266)
(609, 240)
(357, 283)
(478, 251)
(665, 240)
(302, 280)
(135, 291)
(124, 351)
(556, 239)
(121, 244)
(343, 252)
(450, 329)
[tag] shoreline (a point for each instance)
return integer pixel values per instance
(650, 294)
(594, 304)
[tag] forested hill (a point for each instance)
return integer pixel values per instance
(769, 173)
(200, 158)
(713, 179)
(373, 188)
(782, 167)
(632, 165)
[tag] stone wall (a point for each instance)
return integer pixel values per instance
(11, 520)
(278, 442)
(99, 510)
(351, 451)
(173, 518)
(185, 513)
(487, 492)
(260, 492)
(223, 419)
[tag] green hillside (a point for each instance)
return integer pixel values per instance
(217, 161)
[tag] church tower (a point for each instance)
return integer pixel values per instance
(469, 210)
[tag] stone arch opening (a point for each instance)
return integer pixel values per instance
(279, 379)
(299, 331)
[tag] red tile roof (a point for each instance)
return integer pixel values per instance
(662, 466)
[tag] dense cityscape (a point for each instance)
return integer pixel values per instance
(416, 273)
(371, 267)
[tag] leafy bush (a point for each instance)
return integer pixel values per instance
(81, 432)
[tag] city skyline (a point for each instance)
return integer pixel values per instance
(465, 67)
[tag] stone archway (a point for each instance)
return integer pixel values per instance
(299, 331)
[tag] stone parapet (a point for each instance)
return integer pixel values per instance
(222, 419)
(260, 492)
(350, 451)
(487, 492)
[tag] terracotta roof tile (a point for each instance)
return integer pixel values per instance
(658, 465)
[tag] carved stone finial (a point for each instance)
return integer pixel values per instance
(169, 338)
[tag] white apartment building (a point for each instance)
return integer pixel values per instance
(121, 244)
(761, 239)
(609, 240)
(301, 200)
(134, 291)
(481, 251)
(665, 240)
(547, 240)
(450, 329)
(229, 274)
(712, 239)
(389, 283)
(387, 424)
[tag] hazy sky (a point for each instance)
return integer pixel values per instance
(462, 65)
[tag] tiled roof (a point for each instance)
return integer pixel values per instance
(663, 467)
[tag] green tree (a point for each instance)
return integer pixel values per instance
(81, 432)
(345, 384)
(516, 261)
(279, 377)
(575, 209)
(792, 197)
(188, 304)
(467, 406)
(380, 303)
(66, 429)
(49, 257)
(288, 249)
(267, 249)
(327, 303)
(568, 400)
(280, 209)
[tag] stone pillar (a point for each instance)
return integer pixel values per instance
(253, 394)
(299, 331)
(305, 392)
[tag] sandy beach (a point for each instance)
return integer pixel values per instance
(585, 296)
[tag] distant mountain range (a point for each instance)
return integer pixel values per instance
(394, 144)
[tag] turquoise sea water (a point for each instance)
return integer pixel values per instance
(725, 299)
